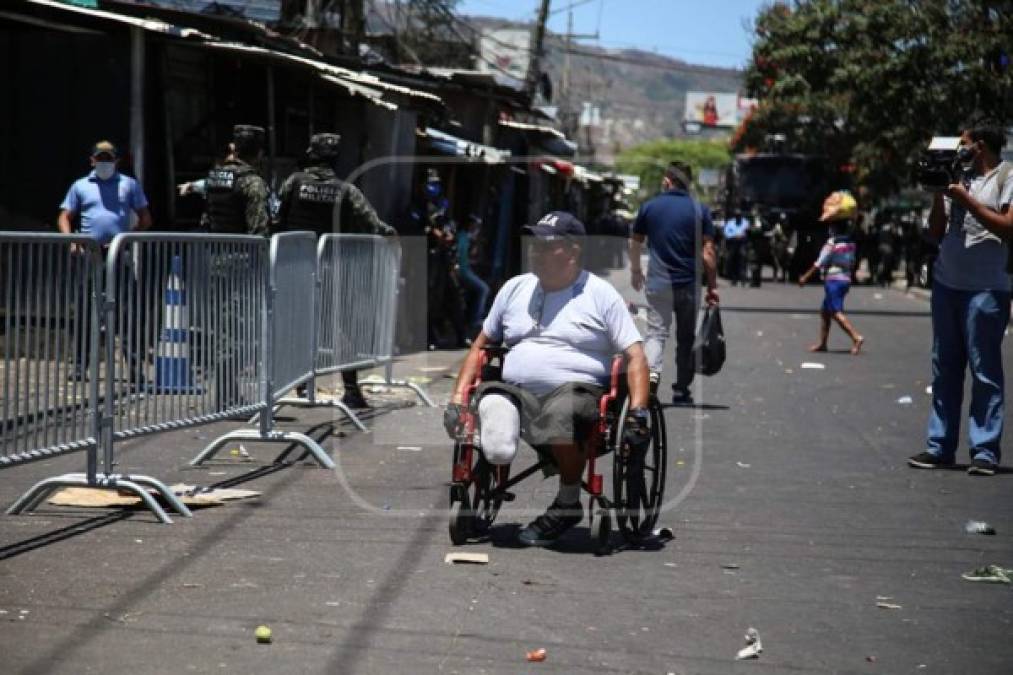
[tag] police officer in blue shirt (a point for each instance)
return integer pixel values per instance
(104, 199)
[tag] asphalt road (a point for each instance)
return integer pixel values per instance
(793, 513)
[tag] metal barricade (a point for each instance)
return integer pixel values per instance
(52, 370)
(289, 340)
(357, 280)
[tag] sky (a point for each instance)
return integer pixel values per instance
(703, 32)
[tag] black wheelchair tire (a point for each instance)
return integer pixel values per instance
(630, 484)
(601, 528)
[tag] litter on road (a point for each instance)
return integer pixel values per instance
(467, 559)
(888, 605)
(410, 448)
(990, 574)
(978, 527)
(537, 655)
(743, 465)
(812, 365)
(753, 646)
(905, 400)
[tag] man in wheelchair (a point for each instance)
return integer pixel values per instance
(562, 326)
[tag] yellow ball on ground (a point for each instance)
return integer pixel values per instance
(263, 634)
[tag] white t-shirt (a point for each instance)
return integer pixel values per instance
(970, 257)
(568, 335)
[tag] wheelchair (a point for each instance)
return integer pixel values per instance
(479, 489)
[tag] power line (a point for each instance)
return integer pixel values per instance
(644, 63)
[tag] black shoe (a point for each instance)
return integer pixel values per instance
(354, 400)
(548, 527)
(926, 460)
(681, 396)
(981, 467)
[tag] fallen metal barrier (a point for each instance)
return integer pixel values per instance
(53, 373)
(356, 312)
(289, 340)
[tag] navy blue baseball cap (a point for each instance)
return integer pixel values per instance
(557, 225)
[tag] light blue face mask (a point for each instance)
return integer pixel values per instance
(105, 170)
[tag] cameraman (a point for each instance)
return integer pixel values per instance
(970, 302)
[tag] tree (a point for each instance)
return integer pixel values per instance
(868, 82)
(649, 160)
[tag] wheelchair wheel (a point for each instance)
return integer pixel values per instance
(639, 482)
(601, 528)
(472, 506)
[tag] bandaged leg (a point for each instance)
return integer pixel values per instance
(500, 428)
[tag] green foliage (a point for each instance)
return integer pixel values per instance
(650, 159)
(868, 82)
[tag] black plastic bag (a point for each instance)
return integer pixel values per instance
(709, 346)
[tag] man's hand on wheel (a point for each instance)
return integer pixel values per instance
(452, 419)
(636, 432)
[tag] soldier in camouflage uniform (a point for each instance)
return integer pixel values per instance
(236, 204)
(236, 194)
(315, 199)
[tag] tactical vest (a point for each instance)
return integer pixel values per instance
(226, 204)
(313, 198)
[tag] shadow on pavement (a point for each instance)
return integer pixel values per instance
(172, 568)
(815, 312)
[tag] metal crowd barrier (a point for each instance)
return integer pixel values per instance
(356, 313)
(289, 341)
(53, 372)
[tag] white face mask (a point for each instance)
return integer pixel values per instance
(105, 170)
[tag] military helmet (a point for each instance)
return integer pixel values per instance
(324, 146)
(248, 137)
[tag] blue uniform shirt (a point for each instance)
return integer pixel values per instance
(670, 222)
(104, 205)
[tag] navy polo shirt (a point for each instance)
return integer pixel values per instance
(104, 205)
(671, 222)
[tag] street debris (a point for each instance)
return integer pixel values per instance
(410, 448)
(812, 365)
(665, 533)
(990, 574)
(905, 400)
(263, 635)
(877, 296)
(190, 495)
(467, 559)
(753, 646)
(537, 655)
(730, 566)
(978, 527)
(743, 465)
(870, 659)
(888, 605)
(242, 453)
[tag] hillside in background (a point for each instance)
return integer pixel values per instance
(641, 95)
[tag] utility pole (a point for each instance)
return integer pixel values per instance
(538, 38)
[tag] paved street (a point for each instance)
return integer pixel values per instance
(793, 513)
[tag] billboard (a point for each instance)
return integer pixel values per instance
(505, 52)
(712, 109)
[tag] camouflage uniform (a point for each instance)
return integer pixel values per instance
(315, 199)
(236, 194)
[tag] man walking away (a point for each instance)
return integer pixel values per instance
(678, 229)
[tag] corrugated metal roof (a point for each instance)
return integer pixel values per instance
(265, 11)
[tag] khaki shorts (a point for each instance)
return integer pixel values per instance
(568, 412)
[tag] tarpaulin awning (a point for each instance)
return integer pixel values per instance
(448, 144)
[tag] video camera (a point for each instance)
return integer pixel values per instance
(939, 165)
